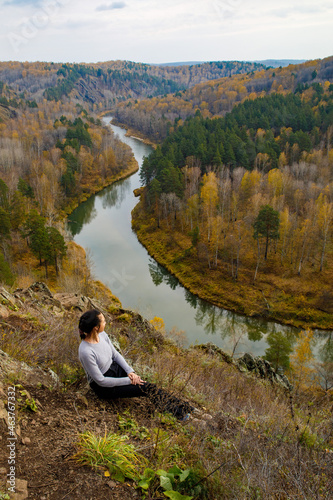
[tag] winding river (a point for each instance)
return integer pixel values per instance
(102, 225)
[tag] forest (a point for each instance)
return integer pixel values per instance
(249, 195)
(156, 117)
(255, 138)
(54, 151)
(103, 85)
(52, 155)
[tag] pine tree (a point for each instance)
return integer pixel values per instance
(267, 225)
(57, 247)
(278, 351)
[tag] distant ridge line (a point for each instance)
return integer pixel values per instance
(275, 63)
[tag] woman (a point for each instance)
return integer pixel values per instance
(111, 377)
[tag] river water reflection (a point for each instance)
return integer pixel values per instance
(102, 224)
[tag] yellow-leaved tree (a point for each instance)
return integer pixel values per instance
(301, 362)
(209, 197)
(158, 324)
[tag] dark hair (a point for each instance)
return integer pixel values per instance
(88, 321)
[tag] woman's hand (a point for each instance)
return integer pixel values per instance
(135, 379)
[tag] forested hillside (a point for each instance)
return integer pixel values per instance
(102, 85)
(52, 155)
(247, 200)
(54, 151)
(155, 117)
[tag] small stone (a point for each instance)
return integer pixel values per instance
(24, 422)
(26, 441)
(3, 470)
(83, 399)
(111, 484)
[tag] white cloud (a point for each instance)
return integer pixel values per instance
(112, 6)
(151, 31)
(22, 3)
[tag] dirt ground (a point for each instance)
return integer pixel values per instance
(47, 443)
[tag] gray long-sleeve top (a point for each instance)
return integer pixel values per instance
(96, 359)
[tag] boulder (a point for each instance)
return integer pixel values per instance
(8, 303)
(247, 364)
(138, 191)
(24, 372)
(211, 348)
(263, 369)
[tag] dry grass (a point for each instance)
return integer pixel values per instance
(268, 444)
(261, 442)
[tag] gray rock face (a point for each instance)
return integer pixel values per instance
(211, 348)
(262, 369)
(248, 364)
(38, 294)
(32, 375)
(73, 301)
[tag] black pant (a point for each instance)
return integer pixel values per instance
(162, 400)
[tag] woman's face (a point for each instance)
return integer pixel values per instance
(102, 324)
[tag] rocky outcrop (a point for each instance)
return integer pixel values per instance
(262, 369)
(10, 367)
(38, 295)
(248, 364)
(212, 349)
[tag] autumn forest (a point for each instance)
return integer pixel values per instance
(240, 181)
(236, 204)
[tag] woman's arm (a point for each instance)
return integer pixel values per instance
(91, 367)
(117, 357)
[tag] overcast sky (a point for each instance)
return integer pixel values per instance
(175, 30)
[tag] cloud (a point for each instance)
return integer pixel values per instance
(305, 9)
(22, 3)
(112, 6)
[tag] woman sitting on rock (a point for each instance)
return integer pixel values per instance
(111, 377)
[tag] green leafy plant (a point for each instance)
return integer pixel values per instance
(111, 451)
(216, 442)
(28, 403)
(175, 483)
(309, 439)
(130, 425)
(177, 453)
(167, 419)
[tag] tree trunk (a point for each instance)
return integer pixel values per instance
(56, 265)
(323, 254)
(258, 262)
(266, 249)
